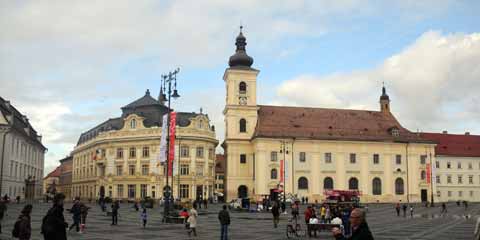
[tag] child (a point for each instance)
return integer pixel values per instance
(144, 217)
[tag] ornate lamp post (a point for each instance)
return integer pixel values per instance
(167, 82)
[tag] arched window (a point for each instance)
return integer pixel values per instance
(328, 183)
(302, 183)
(377, 186)
(243, 125)
(423, 175)
(133, 123)
(353, 184)
(242, 191)
(242, 87)
(399, 186)
(273, 174)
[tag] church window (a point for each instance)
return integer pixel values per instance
(273, 156)
(242, 88)
(376, 159)
(377, 186)
(423, 159)
(273, 174)
(243, 125)
(303, 156)
(399, 186)
(423, 175)
(353, 184)
(302, 183)
(328, 183)
(328, 157)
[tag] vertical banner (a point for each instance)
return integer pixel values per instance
(281, 171)
(162, 156)
(175, 164)
(285, 165)
(428, 173)
(171, 151)
(434, 178)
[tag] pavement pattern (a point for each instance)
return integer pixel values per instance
(427, 223)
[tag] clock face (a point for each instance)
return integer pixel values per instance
(243, 100)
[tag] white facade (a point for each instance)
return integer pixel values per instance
(457, 178)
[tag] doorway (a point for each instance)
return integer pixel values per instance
(423, 195)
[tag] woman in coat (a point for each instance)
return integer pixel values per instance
(192, 221)
(25, 229)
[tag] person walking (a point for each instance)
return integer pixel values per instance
(3, 209)
(192, 221)
(83, 215)
(308, 214)
(76, 215)
(22, 228)
(53, 224)
(322, 214)
(360, 229)
(411, 211)
(404, 208)
(275, 214)
(295, 210)
(144, 217)
(397, 208)
(115, 207)
(327, 214)
(444, 208)
(224, 218)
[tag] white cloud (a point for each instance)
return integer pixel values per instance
(433, 84)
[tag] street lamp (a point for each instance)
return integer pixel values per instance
(284, 150)
(167, 81)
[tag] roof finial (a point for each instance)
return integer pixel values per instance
(241, 27)
(147, 92)
(201, 110)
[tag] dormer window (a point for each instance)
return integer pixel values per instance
(133, 124)
(200, 124)
(395, 132)
(242, 88)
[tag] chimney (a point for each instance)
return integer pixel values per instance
(467, 133)
(445, 132)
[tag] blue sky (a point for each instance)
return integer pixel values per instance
(70, 65)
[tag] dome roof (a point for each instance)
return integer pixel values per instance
(240, 58)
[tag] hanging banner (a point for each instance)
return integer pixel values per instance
(428, 173)
(286, 170)
(281, 171)
(162, 156)
(171, 151)
(434, 178)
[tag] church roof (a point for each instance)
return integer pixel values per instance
(459, 145)
(146, 100)
(331, 124)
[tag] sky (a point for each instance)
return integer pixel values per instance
(70, 65)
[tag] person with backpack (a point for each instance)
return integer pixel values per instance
(22, 228)
(144, 217)
(76, 215)
(53, 224)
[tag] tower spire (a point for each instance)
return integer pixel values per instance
(240, 58)
(384, 100)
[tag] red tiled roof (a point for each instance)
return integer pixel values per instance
(54, 173)
(330, 124)
(460, 145)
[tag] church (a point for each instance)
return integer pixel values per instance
(305, 151)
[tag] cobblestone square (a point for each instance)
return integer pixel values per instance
(426, 224)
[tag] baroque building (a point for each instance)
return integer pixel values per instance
(306, 151)
(457, 167)
(21, 155)
(119, 157)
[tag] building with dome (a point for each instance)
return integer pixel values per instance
(119, 157)
(308, 151)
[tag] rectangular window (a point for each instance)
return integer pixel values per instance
(460, 179)
(423, 159)
(437, 164)
(303, 157)
(131, 190)
(199, 171)
(131, 170)
(353, 158)
(184, 151)
(143, 190)
(449, 179)
(470, 166)
(470, 179)
(449, 193)
(471, 193)
(119, 153)
(199, 152)
(328, 157)
(103, 153)
(220, 177)
(133, 152)
(449, 165)
(398, 159)
(376, 158)
(220, 186)
(146, 152)
(184, 169)
(273, 156)
(438, 194)
(145, 169)
(120, 191)
(119, 170)
(243, 158)
(460, 193)
(459, 165)
(438, 179)
(184, 190)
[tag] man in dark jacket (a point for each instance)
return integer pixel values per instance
(3, 209)
(224, 218)
(76, 217)
(25, 228)
(53, 224)
(360, 230)
(275, 214)
(115, 207)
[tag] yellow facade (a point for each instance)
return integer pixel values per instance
(127, 167)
